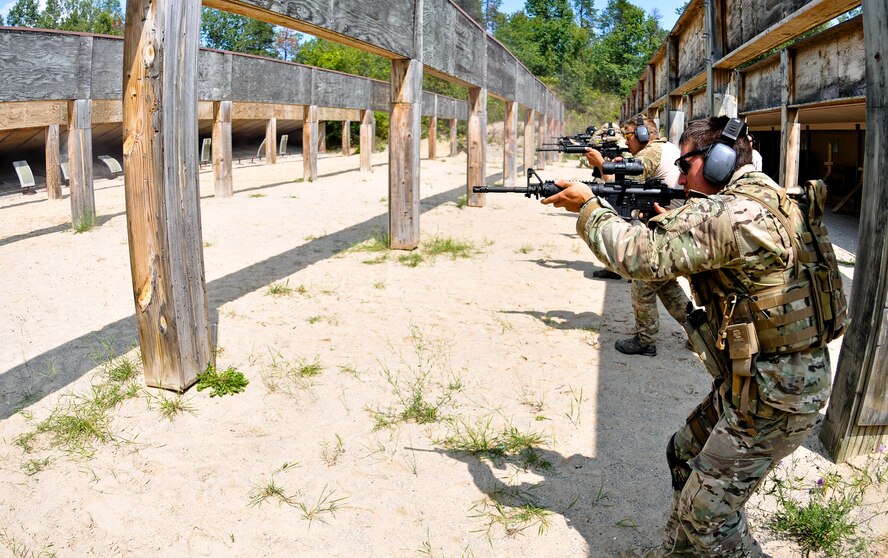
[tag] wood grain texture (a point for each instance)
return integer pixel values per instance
(433, 137)
(28, 114)
(833, 66)
(404, 140)
(53, 171)
(453, 44)
(862, 365)
(35, 68)
(329, 114)
(310, 143)
(215, 77)
(271, 141)
(80, 163)
(476, 145)
(223, 180)
(761, 86)
(366, 140)
(346, 138)
(161, 187)
(529, 139)
(454, 144)
(322, 136)
(693, 48)
(510, 144)
(105, 68)
(501, 68)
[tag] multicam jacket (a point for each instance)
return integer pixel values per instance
(726, 244)
(658, 159)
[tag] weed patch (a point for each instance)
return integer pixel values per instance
(227, 382)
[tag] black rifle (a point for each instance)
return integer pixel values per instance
(609, 149)
(631, 200)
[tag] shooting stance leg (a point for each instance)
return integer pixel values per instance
(644, 306)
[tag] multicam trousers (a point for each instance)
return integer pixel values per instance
(644, 306)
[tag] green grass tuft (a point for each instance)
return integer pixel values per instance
(227, 382)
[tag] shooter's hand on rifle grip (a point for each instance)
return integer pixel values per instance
(572, 196)
(594, 157)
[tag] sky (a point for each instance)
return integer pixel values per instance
(665, 7)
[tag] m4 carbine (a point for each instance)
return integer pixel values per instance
(609, 148)
(631, 200)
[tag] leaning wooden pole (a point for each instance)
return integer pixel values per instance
(857, 415)
(161, 185)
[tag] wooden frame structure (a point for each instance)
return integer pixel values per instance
(703, 68)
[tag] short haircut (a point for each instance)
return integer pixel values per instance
(649, 124)
(703, 133)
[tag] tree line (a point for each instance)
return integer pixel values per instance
(591, 57)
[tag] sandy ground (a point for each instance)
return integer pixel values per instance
(519, 335)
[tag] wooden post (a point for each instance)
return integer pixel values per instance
(529, 144)
(366, 139)
(346, 138)
(510, 144)
(80, 163)
(322, 137)
(433, 137)
(404, 135)
(857, 415)
(714, 28)
(790, 133)
(310, 143)
(160, 163)
(540, 132)
(271, 141)
(53, 171)
(454, 140)
(476, 145)
(223, 179)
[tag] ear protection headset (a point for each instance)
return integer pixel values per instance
(720, 158)
(641, 132)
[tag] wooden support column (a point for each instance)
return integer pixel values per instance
(714, 28)
(322, 137)
(404, 140)
(346, 138)
(80, 163)
(857, 415)
(310, 143)
(476, 145)
(510, 144)
(223, 179)
(540, 138)
(160, 162)
(53, 171)
(433, 137)
(791, 131)
(271, 141)
(529, 143)
(454, 138)
(366, 139)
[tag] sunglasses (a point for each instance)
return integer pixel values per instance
(683, 163)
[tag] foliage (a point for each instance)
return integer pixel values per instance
(237, 33)
(227, 382)
(334, 56)
(103, 16)
(286, 43)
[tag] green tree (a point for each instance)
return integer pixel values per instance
(24, 13)
(334, 56)
(237, 33)
(1, 19)
(586, 13)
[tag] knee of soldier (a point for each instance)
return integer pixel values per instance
(708, 505)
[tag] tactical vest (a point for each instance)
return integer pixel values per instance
(808, 309)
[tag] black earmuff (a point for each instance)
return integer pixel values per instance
(641, 132)
(720, 160)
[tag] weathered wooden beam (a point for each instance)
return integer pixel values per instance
(334, 114)
(529, 142)
(476, 140)
(346, 138)
(271, 141)
(791, 131)
(80, 164)
(404, 144)
(367, 122)
(433, 137)
(310, 143)
(454, 141)
(53, 170)
(223, 179)
(540, 132)
(161, 187)
(31, 114)
(858, 408)
(510, 144)
(322, 136)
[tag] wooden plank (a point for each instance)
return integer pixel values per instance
(433, 137)
(53, 171)
(453, 44)
(106, 111)
(540, 132)
(107, 60)
(346, 138)
(749, 38)
(454, 143)
(476, 145)
(161, 186)
(790, 134)
(404, 136)
(28, 114)
(762, 86)
(501, 68)
(223, 179)
(332, 114)
(322, 136)
(833, 66)
(310, 143)
(271, 141)
(510, 144)
(366, 139)
(529, 142)
(215, 80)
(35, 68)
(80, 164)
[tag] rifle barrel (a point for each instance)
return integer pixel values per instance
(497, 190)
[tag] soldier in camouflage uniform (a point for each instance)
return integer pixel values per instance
(748, 251)
(657, 156)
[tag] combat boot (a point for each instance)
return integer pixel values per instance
(633, 346)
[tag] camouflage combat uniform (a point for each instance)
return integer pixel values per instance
(644, 293)
(726, 244)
